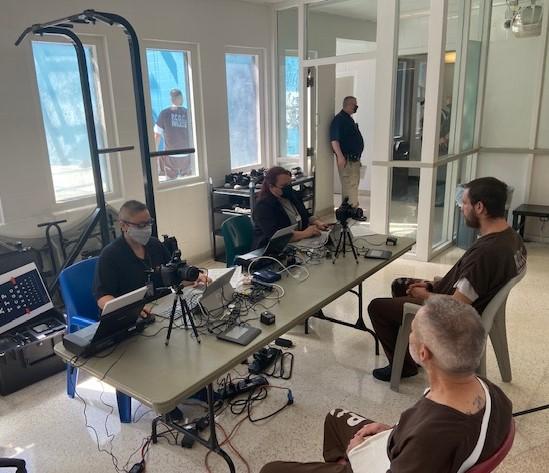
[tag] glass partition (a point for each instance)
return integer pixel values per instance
(340, 27)
(413, 32)
(450, 78)
(404, 202)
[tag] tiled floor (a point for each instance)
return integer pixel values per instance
(332, 368)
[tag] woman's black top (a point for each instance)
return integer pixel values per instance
(269, 216)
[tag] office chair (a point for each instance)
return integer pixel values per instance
(491, 463)
(238, 237)
(493, 320)
(76, 283)
(19, 465)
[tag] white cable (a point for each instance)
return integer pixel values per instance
(280, 295)
(302, 268)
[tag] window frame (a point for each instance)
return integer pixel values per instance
(106, 110)
(262, 102)
(195, 101)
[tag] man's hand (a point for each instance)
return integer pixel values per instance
(372, 429)
(367, 431)
(320, 224)
(311, 231)
(341, 161)
(203, 280)
(418, 291)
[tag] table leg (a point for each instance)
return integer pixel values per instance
(515, 221)
(211, 443)
(359, 324)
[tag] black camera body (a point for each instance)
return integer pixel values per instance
(346, 211)
(177, 271)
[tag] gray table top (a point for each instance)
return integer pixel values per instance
(161, 376)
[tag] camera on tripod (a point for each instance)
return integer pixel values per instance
(177, 270)
(346, 211)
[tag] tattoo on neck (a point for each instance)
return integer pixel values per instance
(478, 403)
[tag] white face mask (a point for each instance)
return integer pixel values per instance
(140, 235)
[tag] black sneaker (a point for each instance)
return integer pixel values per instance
(175, 415)
(384, 374)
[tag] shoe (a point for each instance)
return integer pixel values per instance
(361, 219)
(384, 374)
(175, 415)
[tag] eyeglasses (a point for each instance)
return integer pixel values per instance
(140, 225)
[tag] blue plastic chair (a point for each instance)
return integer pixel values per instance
(238, 236)
(76, 284)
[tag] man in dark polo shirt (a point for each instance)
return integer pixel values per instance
(461, 420)
(497, 256)
(124, 263)
(174, 125)
(348, 145)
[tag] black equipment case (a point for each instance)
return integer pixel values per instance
(26, 352)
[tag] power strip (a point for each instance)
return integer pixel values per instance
(241, 387)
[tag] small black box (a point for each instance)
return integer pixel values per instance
(267, 318)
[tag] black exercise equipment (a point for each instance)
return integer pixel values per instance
(63, 27)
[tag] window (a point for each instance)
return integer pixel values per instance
(289, 107)
(169, 73)
(62, 106)
(243, 101)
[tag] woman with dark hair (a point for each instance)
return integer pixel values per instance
(278, 206)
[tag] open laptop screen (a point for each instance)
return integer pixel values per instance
(279, 241)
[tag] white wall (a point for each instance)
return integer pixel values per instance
(509, 116)
(26, 190)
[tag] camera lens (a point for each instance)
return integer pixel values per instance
(188, 273)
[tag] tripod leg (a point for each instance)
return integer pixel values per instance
(191, 319)
(338, 247)
(353, 246)
(170, 326)
(183, 314)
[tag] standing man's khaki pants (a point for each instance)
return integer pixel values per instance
(350, 178)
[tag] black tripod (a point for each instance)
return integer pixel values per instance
(185, 314)
(345, 237)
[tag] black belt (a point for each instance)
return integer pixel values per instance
(352, 157)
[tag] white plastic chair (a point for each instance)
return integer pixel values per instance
(493, 321)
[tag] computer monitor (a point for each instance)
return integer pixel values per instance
(23, 296)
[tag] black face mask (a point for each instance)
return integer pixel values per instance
(355, 109)
(287, 191)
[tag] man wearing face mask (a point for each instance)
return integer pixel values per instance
(348, 145)
(124, 264)
(278, 206)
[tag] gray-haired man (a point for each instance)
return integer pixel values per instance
(466, 418)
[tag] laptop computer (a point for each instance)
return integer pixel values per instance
(274, 248)
(119, 320)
